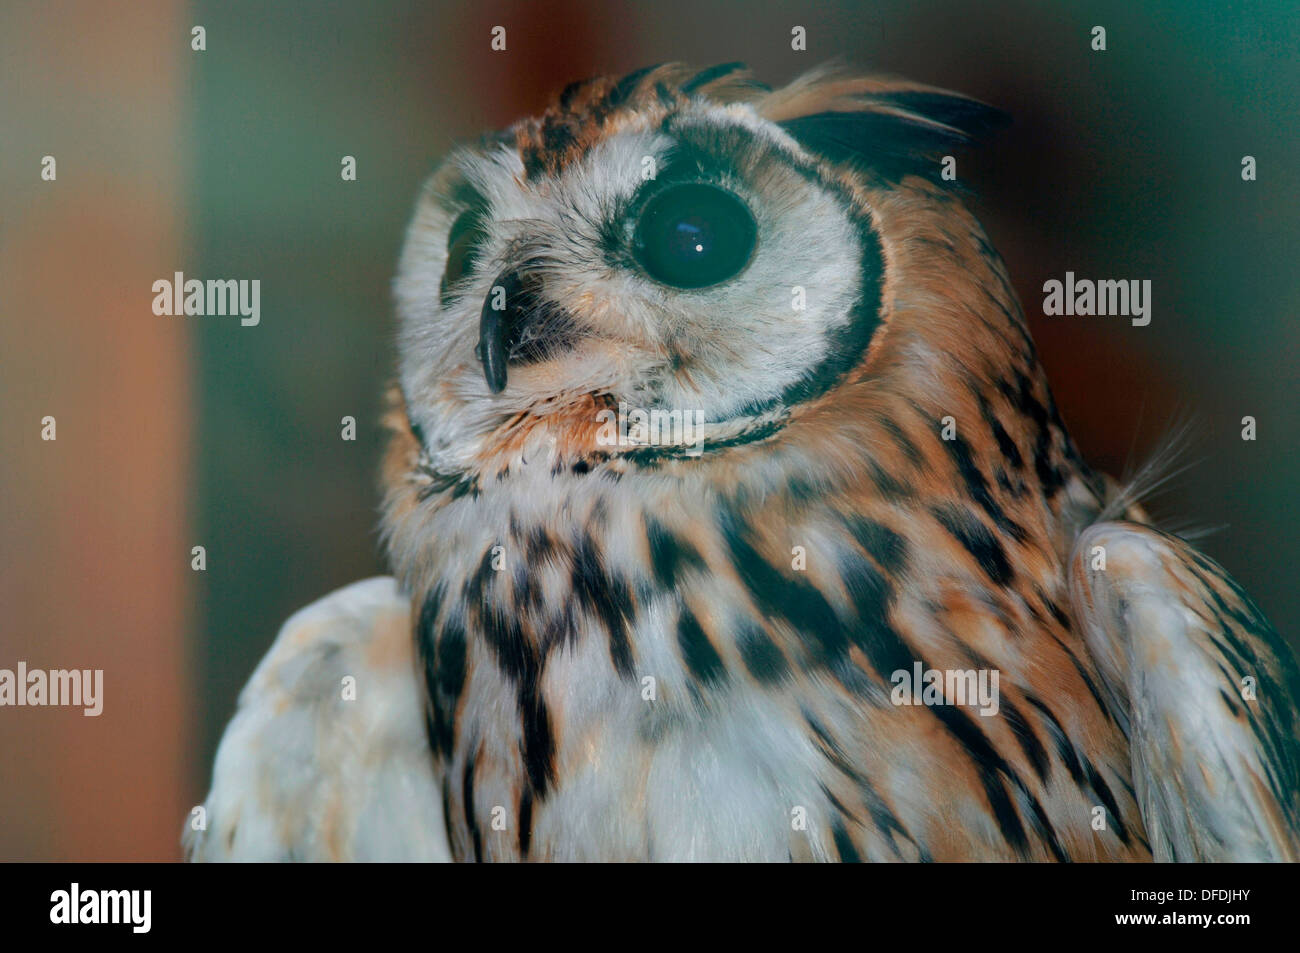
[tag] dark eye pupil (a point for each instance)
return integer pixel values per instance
(460, 256)
(694, 235)
(692, 238)
(462, 248)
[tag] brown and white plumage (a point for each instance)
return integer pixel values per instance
(621, 659)
(304, 773)
(1176, 640)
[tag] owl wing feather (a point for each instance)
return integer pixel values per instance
(1205, 690)
(314, 768)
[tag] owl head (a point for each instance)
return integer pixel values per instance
(695, 241)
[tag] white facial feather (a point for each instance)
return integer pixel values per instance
(745, 340)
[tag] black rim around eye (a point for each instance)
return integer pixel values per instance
(694, 235)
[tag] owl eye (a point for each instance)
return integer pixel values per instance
(463, 242)
(694, 235)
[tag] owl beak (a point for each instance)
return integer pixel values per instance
(498, 328)
(519, 325)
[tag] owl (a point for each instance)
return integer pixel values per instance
(731, 518)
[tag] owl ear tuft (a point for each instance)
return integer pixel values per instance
(890, 125)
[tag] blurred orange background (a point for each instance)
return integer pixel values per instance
(224, 163)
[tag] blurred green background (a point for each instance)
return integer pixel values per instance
(1120, 164)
